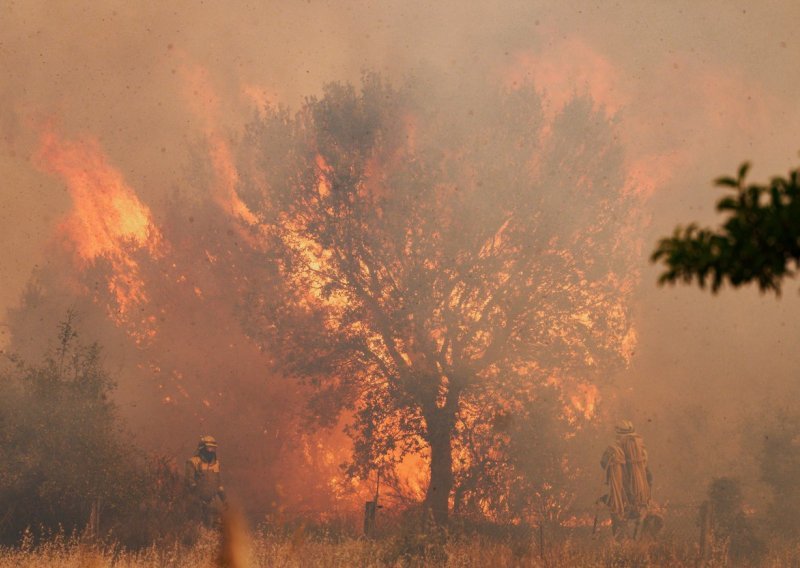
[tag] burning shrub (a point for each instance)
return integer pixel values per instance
(165, 514)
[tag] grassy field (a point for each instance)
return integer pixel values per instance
(236, 549)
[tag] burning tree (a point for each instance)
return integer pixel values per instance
(459, 253)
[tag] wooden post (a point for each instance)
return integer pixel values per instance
(370, 510)
(706, 531)
(369, 519)
(541, 539)
(93, 526)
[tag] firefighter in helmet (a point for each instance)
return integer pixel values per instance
(628, 478)
(203, 480)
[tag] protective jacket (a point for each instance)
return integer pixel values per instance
(627, 475)
(203, 478)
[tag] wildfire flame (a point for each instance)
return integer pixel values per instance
(204, 102)
(585, 400)
(106, 212)
(227, 178)
(107, 221)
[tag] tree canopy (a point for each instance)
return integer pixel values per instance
(457, 254)
(758, 242)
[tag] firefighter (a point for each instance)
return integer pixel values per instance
(628, 479)
(203, 481)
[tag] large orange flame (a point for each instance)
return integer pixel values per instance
(226, 179)
(107, 220)
(106, 212)
(205, 104)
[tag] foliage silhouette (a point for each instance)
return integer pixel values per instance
(758, 242)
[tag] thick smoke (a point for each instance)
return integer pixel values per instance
(694, 89)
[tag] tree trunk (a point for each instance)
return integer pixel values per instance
(440, 423)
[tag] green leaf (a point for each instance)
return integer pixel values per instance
(727, 204)
(743, 169)
(726, 181)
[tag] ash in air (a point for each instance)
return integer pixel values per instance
(417, 264)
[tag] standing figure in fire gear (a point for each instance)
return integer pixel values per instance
(628, 479)
(204, 482)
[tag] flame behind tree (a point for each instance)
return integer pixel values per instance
(162, 291)
(457, 250)
(108, 221)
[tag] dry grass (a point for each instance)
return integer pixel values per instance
(295, 550)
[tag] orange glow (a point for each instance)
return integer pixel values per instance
(647, 173)
(572, 66)
(584, 520)
(323, 186)
(413, 475)
(629, 344)
(107, 220)
(568, 67)
(106, 212)
(227, 177)
(585, 399)
(205, 104)
(259, 97)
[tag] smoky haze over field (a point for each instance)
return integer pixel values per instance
(693, 92)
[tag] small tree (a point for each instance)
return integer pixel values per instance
(64, 461)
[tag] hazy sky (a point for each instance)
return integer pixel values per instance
(697, 88)
(710, 85)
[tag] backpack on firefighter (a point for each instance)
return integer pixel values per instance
(204, 482)
(628, 479)
(636, 475)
